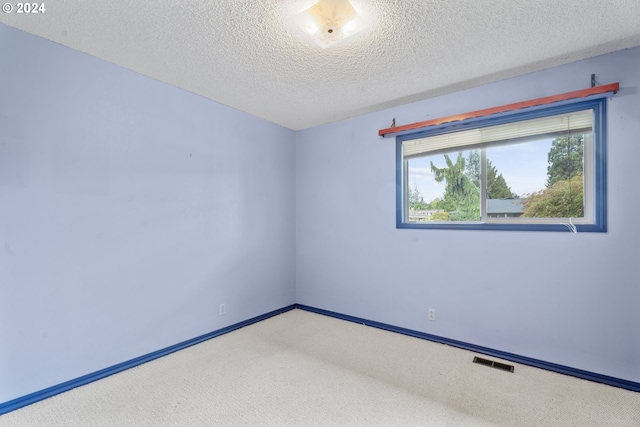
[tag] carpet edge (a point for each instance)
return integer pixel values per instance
(37, 396)
(536, 363)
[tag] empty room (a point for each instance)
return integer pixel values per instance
(330, 212)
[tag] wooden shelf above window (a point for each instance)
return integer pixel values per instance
(583, 93)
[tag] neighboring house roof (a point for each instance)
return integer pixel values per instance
(504, 206)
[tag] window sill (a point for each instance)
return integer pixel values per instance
(581, 228)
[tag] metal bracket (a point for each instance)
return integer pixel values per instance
(594, 83)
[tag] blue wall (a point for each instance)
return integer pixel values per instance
(556, 297)
(129, 210)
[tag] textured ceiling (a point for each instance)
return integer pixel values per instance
(247, 54)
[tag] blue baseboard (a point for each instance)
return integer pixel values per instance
(86, 379)
(553, 367)
(14, 404)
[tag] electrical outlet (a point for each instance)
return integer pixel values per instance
(223, 309)
(432, 314)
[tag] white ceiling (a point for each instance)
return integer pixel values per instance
(247, 54)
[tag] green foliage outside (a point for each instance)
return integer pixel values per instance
(461, 197)
(565, 159)
(497, 187)
(563, 199)
(563, 196)
(415, 199)
(472, 167)
(440, 216)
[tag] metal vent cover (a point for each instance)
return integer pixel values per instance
(491, 363)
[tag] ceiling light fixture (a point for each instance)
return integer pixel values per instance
(329, 21)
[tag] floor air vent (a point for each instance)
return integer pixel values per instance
(497, 365)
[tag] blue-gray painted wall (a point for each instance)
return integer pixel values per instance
(129, 210)
(565, 299)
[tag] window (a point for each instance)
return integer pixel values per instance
(542, 169)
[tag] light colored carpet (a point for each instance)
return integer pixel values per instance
(305, 369)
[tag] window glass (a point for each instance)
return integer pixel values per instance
(543, 169)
